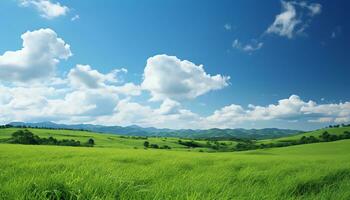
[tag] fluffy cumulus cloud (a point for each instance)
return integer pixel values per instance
(169, 77)
(170, 114)
(41, 52)
(24, 103)
(41, 103)
(289, 110)
(294, 18)
(128, 89)
(46, 8)
(82, 95)
(88, 103)
(85, 76)
(249, 47)
(169, 107)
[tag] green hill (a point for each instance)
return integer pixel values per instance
(117, 141)
(118, 167)
(314, 171)
(316, 133)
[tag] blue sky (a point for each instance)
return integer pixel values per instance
(279, 63)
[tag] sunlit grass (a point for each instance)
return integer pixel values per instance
(315, 171)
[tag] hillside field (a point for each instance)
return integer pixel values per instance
(316, 133)
(119, 168)
(112, 140)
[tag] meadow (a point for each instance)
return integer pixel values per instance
(120, 168)
(316, 133)
(103, 140)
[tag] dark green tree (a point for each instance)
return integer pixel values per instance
(91, 142)
(146, 144)
(24, 137)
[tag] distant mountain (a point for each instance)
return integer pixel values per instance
(182, 133)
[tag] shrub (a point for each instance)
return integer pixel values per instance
(90, 142)
(49, 141)
(165, 147)
(146, 144)
(27, 137)
(325, 136)
(307, 140)
(241, 146)
(155, 146)
(6, 126)
(24, 137)
(191, 143)
(66, 142)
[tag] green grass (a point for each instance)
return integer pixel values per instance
(111, 140)
(316, 133)
(115, 170)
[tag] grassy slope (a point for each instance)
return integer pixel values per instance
(112, 140)
(114, 169)
(316, 133)
(315, 171)
(108, 140)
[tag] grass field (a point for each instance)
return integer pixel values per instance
(316, 133)
(115, 170)
(111, 140)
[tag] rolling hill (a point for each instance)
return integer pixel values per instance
(315, 133)
(312, 171)
(119, 167)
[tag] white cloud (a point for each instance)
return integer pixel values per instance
(101, 106)
(169, 107)
(228, 27)
(288, 109)
(41, 52)
(293, 20)
(322, 120)
(128, 89)
(171, 114)
(168, 115)
(24, 103)
(38, 103)
(285, 22)
(127, 113)
(46, 8)
(90, 103)
(76, 17)
(169, 77)
(254, 46)
(85, 76)
(291, 109)
(314, 8)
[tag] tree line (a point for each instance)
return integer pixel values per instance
(338, 125)
(40, 127)
(324, 137)
(27, 137)
(147, 144)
